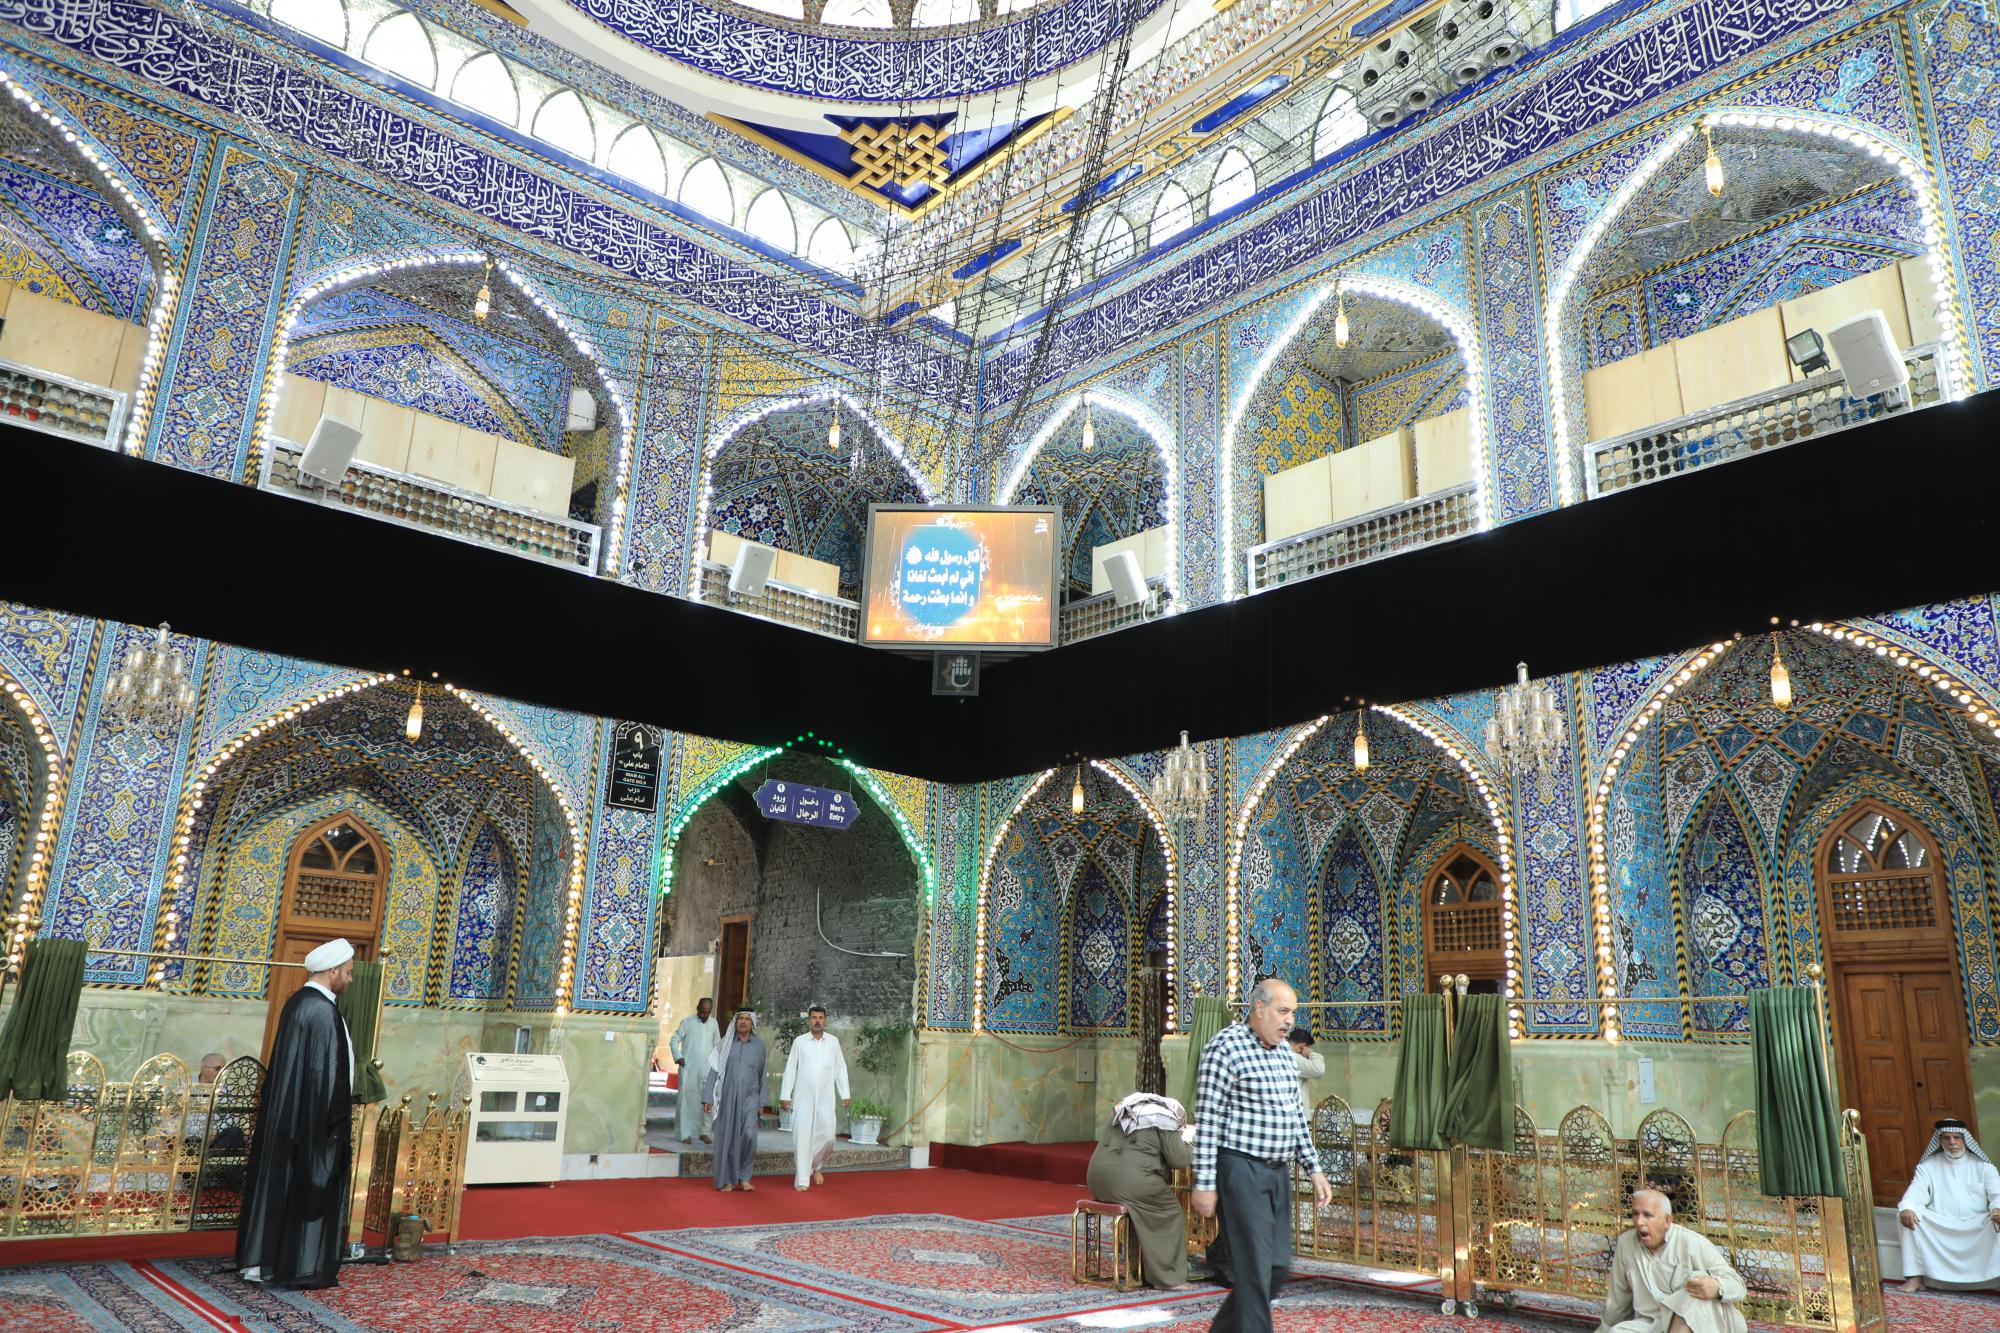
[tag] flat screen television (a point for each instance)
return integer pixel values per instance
(961, 577)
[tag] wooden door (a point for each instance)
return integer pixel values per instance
(334, 884)
(733, 983)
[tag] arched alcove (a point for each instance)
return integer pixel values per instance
(1122, 484)
(1364, 364)
(1815, 218)
(775, 477)
(33, 775)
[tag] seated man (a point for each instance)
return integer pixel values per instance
(1951, 1213)
(1667, 1279)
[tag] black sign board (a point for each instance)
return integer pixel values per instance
(635, 766)
(954, 672)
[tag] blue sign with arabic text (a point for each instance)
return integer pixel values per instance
(796, 803)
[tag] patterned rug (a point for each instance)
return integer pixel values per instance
(945, 1267)
(846, 1157)
(88, 1298)
(538, 1286)
(1306, 1307)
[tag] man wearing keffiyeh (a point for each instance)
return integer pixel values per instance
(1141, 1145)
(1951, 1213)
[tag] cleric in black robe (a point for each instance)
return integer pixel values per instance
(294, 1222)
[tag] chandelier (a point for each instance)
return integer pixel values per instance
(1525, 735)
(151, 687)
(1181, 790)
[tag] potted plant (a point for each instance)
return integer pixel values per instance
(865, 1120)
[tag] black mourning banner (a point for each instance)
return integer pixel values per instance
(635, 767)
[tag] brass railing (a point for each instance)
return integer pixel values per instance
(163, 1153)
(1817, 405)
(1406, 526)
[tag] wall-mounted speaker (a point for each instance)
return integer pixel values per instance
(1128, 581)
(752, 570)
(582, 410)
(330, 450)
(1867, 355)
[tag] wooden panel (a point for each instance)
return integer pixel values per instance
(1444, 451)
(6, 290)
(131, 358)
(1935, 1031)
(343, 405)
(1734, 360)
(1632, 394)
(1920, 301)
(1298, 499)
(473, 455)
(1877, 1077)
(797, 571)
(1881, 290)
(1150, 546)
(60, 338)
(1372, 475)
(301, 403)
(537, 478)
(385, 434)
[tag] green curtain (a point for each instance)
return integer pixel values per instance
(1420, 1076)
(359, 1004)
(1211, 1015)
(34, 1049)
(1798, 1130)
(1479, 1112)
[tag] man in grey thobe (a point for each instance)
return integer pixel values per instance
(734, 1092)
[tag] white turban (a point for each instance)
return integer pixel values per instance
(329, 956)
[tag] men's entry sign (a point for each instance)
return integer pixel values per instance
(796, 803)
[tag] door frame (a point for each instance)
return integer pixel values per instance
(723, 1001)
(290, 932)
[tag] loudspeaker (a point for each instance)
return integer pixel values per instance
(330, 450)
(582, 410)
(1867, 355)
(752, 570)
(1128, 581)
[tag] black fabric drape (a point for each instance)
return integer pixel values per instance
(34, 1049)
(294, 1221)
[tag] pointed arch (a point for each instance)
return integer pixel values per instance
(324, 19)
(357, 272)
(742, 421)
(1464, 332)
(486, 85)
(1702, 912)
(705, 189)
(1173, 213)
(154, 233)
(1150, 425)
(1865, 138)
(565, 121)
(38, 850)
(769, 219)
(635, 155)
(401, 43)
(1233, 182)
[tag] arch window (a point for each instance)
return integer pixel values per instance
(946, 313)
(1113, 246)
(1173, 213)
(486, 85)
(1463, 927)
(324, 19)
(335, 880)
(636, 156)
(1340, 124)
(1882, 879)
(769, 219)
(706, 190)
(941, 13)
(789, 9)
(402, 45)
(1234, 181)
(565, 122)
(857, 14)
(831, 247)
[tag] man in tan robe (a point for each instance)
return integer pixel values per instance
(1667, 1279)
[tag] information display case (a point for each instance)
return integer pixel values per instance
(520, 1113)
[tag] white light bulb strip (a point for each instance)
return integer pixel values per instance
(1232, 879)
(751, 418)
(1469, 347)
(1148, 424)
(1152, 812)
(161, 319)
(1966, 696)
(985, 880)
(27, 918)
(1955, 374)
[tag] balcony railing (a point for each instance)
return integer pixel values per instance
(1355, 541)
(835, 617)
(1815, 406)
(418, 502)
(1088, 617)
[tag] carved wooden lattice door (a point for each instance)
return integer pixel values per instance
(334, 889)
(1463, 928)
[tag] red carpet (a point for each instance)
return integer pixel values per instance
(1064, 1163)
(592, 1207)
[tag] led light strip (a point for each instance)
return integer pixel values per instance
(1470, 349)
(355, 275)
(34, 884)
(162, 317)
(985, 881)
(749, 419)
(1956, 372)
(1145, 803)
(1146, 421)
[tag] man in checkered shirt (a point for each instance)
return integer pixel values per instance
(1250, 1125)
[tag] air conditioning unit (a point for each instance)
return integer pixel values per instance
(1476, 36)
(1395, 78)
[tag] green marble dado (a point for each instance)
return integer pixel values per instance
(422, 1051)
